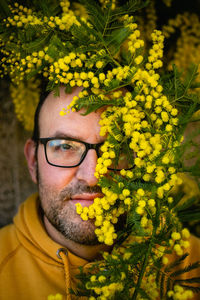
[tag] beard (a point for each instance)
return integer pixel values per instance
(61, 212)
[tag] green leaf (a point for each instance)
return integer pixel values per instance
(169, 284)
(195, 289)
(175, 263)
(195, 85)
(68, 89)
(179, 92)
(144, 295)
(56, 47)
(48, 8)
(38, 43)
(191, 75)
(34, 73)
(189, 280)
(56, 91)
(188, 203)
(188, 215)
(183, 98)
(162, 285)
(96, 16)
(92, 103)
(116, 38)
(139, 184)
(130, 7)
(84, 35)
(186, 269)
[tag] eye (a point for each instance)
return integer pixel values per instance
(60, 145)
(63, 147)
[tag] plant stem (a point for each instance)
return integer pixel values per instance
(148, 252)
(142, 271)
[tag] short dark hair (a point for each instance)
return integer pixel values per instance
(43, 95)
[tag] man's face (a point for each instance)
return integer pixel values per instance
(61, 188)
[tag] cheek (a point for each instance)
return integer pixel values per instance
(54, 177)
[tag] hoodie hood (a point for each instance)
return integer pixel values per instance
(32, 235)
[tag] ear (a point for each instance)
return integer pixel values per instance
(29, 152)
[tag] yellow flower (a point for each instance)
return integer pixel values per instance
(139, 210)
(55, 297)
(102, 76)
(140, 192)
(126, 192)
(175, 236)
(165, 260)
(101, 278)
(99, 64)
(185, 233)
(138, 59)
(151, 202)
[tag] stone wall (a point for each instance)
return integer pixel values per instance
(15, 182)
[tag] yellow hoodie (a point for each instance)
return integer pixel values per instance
(31, 267)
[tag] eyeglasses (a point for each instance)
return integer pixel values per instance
(69, 153)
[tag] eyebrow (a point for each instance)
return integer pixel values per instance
(61, 134)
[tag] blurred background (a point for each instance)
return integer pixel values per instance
(15, 182)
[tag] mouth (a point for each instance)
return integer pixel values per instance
(85, 199)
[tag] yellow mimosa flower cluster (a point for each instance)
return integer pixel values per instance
(104, 3)
(105, 230)
(148, 109)
(150, 287)
(135, 42)
(19, 65)
(107, 291)
(188, 43)
(180, 293)
(179, 241)
(22, 16)
(25, 109)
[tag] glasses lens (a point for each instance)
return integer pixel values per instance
(65, 153)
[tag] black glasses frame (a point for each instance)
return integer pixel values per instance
(88, 146)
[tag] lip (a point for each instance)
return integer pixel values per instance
(87, 196)
(86, 199)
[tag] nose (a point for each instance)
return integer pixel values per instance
(86, 169)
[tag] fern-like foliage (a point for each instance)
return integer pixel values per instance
(179, 92)
(169, 276)
(104, 22)
(92, 103)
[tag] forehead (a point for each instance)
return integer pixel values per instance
(73, 124)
